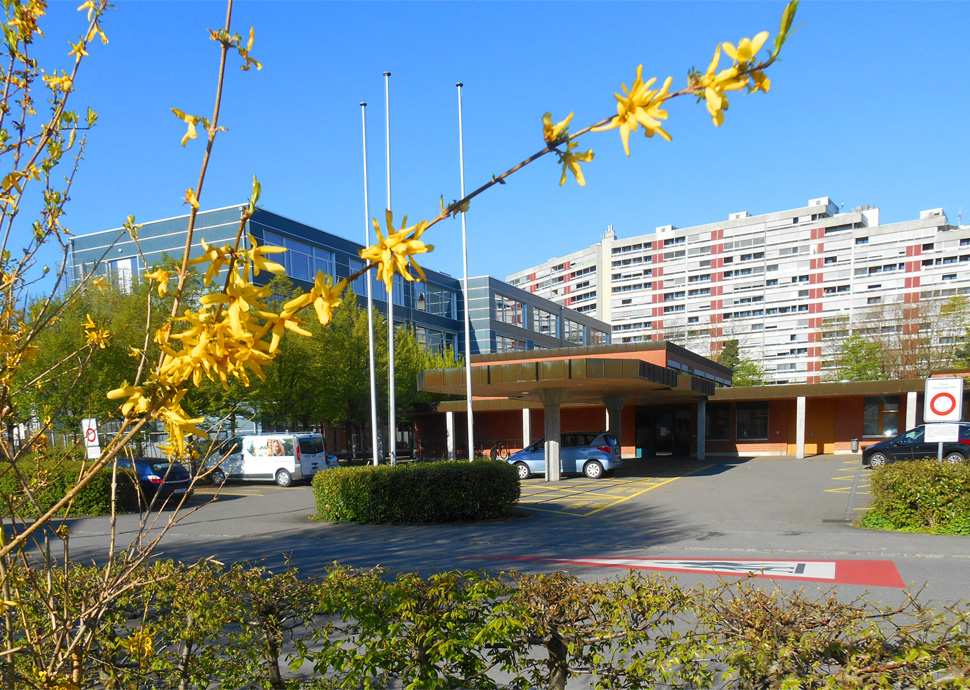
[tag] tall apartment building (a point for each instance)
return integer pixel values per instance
(788, 285)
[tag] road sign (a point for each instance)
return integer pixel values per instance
(89, 429)
(942, 433)
(943, 400)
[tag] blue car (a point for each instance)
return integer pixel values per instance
(158, 479)
(592, 453)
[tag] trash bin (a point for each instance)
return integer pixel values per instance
(854, 445)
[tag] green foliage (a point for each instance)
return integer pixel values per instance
(859, 359)
(926, 495)
(206, 625)
(747, 372)
(42, 482)
(730, 354)
(417, 493)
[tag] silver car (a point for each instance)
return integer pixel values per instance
(592, 453)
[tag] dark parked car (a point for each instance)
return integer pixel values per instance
(911, 445)
(158, 479)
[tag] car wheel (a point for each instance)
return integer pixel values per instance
(283, 478)
(877, 460)
(218, 477)
(593, 469)
(523, 470)
(953, 458)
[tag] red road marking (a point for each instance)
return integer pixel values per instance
(841, 572)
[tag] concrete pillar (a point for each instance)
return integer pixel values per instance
(701, 429)
(614, 413)
(800, 427)
(526, 427)
(551, 399)
(450, 426)
(910, 411)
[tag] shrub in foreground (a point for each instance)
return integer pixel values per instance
(417, 493)
(207, 626)
(49, 480)
(926, 495)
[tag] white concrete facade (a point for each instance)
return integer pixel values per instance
(788, 285)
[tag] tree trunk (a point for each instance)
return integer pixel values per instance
(557, 664)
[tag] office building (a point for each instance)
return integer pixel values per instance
(504, 318)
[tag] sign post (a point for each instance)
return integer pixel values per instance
(943, 403)
(89, 428)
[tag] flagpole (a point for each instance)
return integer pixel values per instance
(370, 299)
(464, 248)
(391, 412)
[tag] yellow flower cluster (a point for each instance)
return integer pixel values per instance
(394, 254)
(96, 335)
(232, 334)
(639, 106)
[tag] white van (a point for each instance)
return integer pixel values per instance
(284, 458)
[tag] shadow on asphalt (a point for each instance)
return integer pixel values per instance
(668, 465)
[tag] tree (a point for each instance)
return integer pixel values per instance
(859, 359)
(729, 355)
(747, 372)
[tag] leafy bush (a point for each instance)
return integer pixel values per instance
(417, 493)
(206, 625)
(926, 495)
(49, 480)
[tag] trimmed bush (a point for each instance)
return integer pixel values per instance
(50, 480)
(926, 495)
(417, 493)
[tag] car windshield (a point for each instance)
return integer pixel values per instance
(311, 444)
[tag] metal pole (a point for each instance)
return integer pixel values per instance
(464, 250)
(370, 300)
(391, 413)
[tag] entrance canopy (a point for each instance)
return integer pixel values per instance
(609, 376)
(581, 380)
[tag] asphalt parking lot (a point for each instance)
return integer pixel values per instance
(788, 516)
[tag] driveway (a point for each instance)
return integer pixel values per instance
(791, 518)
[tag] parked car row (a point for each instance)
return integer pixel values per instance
(912, 445)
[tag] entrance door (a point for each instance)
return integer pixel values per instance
(663, 431)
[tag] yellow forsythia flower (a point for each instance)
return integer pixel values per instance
(393, 254)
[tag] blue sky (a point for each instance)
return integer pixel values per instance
(869, 105)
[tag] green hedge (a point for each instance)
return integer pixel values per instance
(49, 481)
(206, 626)
(926, 495)
(417, 493)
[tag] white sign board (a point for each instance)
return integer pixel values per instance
(943, 401)
(942, 433)
(89, 429)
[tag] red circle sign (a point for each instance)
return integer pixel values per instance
(948, 401)
(91, 434)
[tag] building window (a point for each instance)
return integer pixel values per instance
(753, 421)
(359, 285)
(862, 240)
(717, 425)
(122, 272)
(574, 332)
(508, 310)
(880, 416)
(505, 344)
(597, 337)
(545, 322)
(301, 260)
